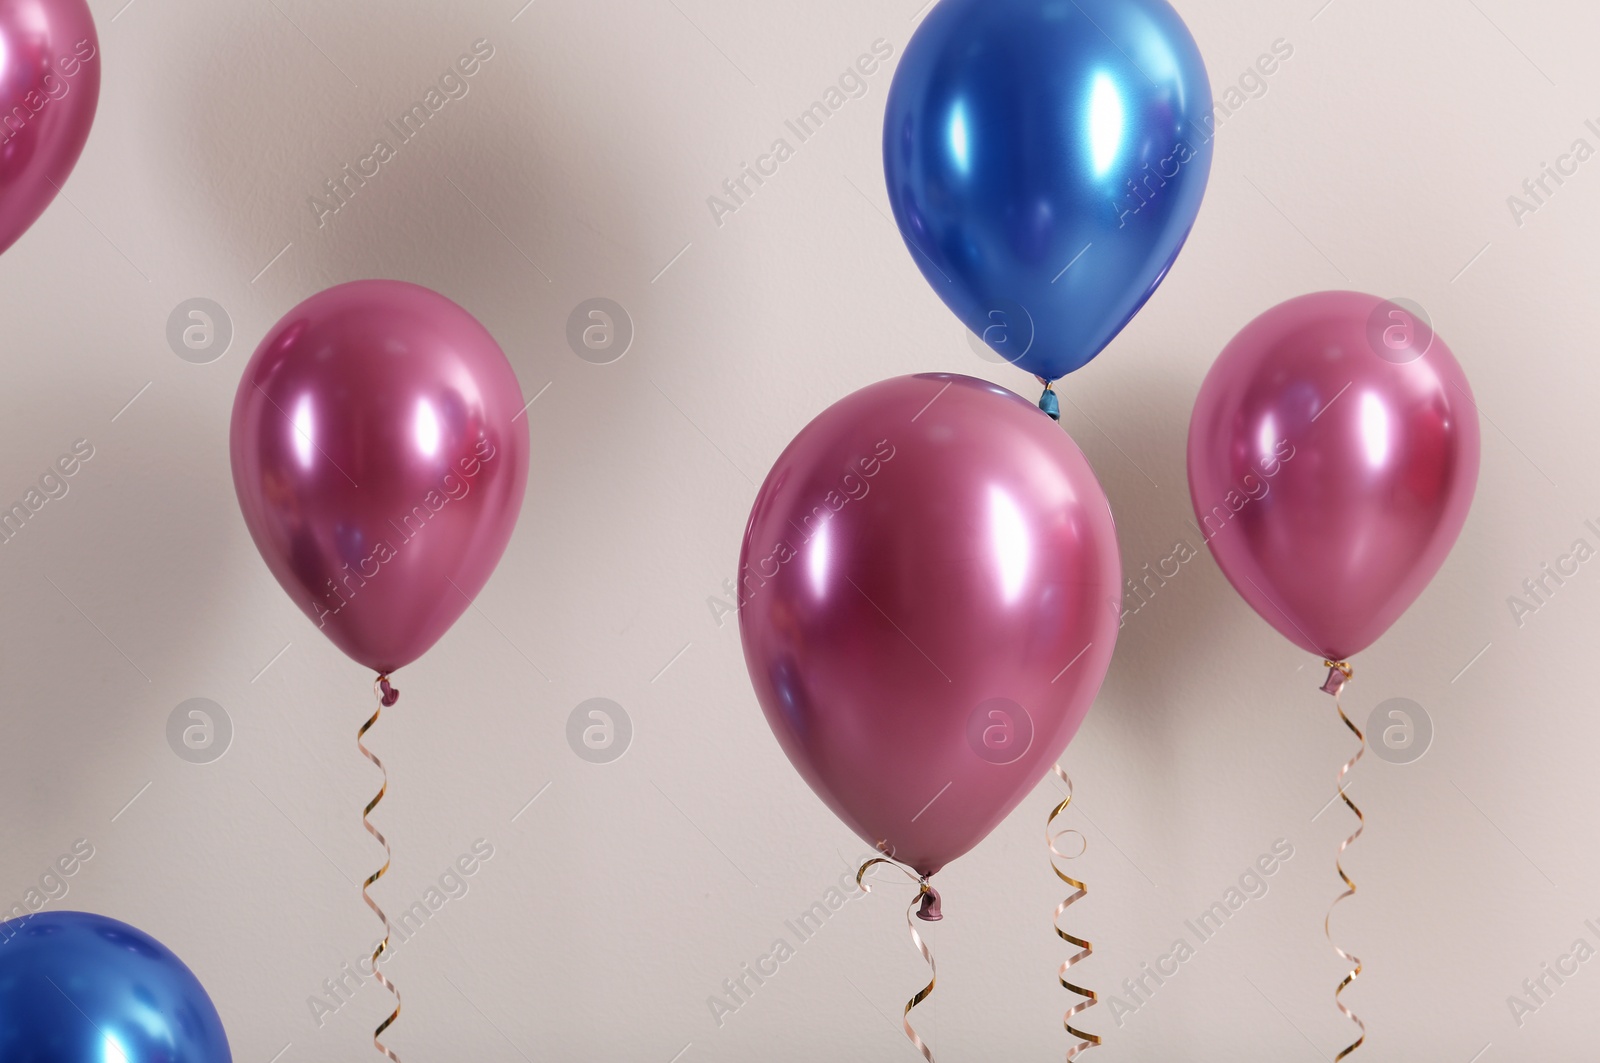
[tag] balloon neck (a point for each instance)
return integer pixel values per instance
(387, 694)
(1339, 673)
(930, 912)
(1049, 402)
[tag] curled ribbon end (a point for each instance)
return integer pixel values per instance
(387, 695)
(1085, 1040)
(931, 910)
(1339, 673)
(929, 898)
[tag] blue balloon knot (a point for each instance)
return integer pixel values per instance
(1050, 404)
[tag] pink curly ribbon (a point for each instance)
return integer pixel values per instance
(1086, 1041)
(1340, 673)
(387, 696)
(925, 906)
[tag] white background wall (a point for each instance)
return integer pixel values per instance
(1379, 158)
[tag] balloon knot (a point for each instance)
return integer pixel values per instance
(930, 912)
(1339, 673)
(388, 694)
(1049, 402)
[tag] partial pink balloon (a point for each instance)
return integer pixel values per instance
(929, 597)
(380, 458)
(49, 86)
(1333, 455)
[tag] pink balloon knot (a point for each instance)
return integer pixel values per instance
(1339, 673)
(390, 695)
(930, 911)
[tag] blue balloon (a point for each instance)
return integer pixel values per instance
(79, 988)
(1046, 160)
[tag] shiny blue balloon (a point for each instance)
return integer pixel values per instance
(79, 988)
(1046, 161)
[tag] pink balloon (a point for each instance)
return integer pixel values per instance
(49, 86)
(929, 598)
(1333, 455)
(380, 462)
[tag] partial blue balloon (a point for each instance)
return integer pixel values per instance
(1046, 160)
(79, 988)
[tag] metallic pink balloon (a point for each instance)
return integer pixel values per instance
(1333, 455)
(49, 86)
(929, 598)
(380, 460)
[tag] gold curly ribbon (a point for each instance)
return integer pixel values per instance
(1339, 674)
(1086, 1041)
(386, 696)
(928, 899)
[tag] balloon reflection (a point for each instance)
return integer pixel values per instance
(959, 147)
(1012, 548)
(1106, 118)
(426, 428)
(1374, 429)
(817, 557)
(304, 427)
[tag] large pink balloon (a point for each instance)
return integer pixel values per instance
(49, 86)
(380, 459)
(929, 598)
(1333, 455)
